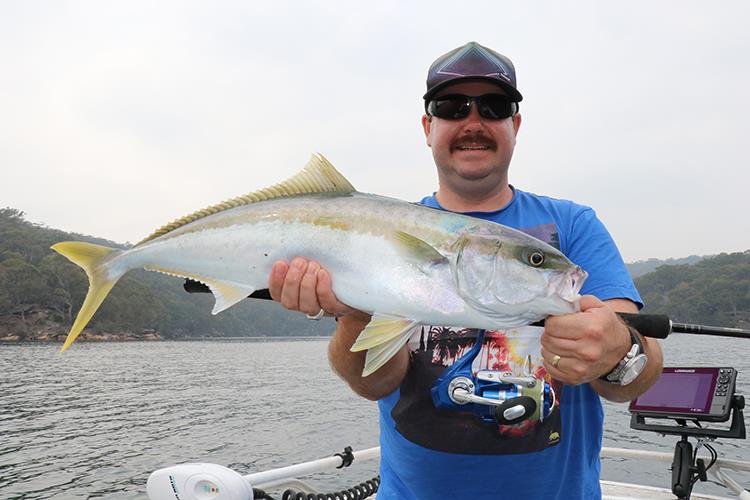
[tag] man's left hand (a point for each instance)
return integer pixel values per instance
(589, 343)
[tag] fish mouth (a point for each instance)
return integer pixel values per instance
(569, 285)
(577, 279)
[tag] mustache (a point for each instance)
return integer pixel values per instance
(474, 140)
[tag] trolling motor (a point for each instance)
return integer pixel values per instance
(200, 481)
(493, 396)
(206, 481)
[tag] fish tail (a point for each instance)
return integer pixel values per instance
(93, 259)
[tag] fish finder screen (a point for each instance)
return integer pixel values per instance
(679, 390)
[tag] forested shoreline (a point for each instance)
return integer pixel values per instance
(40, 293)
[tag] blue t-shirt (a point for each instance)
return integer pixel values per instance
(428, 453)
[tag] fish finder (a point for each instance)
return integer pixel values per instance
(689, 395)
(702, 394)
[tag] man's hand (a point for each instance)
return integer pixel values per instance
(304, 286)
(589, 343)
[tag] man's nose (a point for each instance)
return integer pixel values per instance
(473, 119)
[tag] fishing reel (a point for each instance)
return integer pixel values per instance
(497, 397)
(494, 396)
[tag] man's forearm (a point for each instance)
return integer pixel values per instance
(348, 365)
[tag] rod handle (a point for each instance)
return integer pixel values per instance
(657, 326)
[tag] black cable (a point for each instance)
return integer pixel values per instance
(694, 478)
(714, 455)
(259, 494)
(358, 492)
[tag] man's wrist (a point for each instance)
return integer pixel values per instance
(632, 362)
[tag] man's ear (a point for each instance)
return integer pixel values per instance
(426, 124)
(516, 122)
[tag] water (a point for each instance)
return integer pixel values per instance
(96, 421)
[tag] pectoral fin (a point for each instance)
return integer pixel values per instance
(378, 356)
(418, 251)
(383, 337)
(382, 328)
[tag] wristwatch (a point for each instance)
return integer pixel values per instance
(631, 365)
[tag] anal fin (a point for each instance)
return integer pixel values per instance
(227, 294)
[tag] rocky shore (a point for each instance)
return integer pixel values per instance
(36, 326)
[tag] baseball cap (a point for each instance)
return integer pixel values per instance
(472, 62)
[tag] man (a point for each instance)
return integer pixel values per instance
(471, 122)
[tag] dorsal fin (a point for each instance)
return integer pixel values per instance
(318, 176)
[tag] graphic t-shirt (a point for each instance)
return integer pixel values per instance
(431, 453)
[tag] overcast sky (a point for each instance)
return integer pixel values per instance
(116, 117)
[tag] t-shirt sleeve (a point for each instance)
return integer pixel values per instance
(590, 246)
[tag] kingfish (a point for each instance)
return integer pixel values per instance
(406, 264)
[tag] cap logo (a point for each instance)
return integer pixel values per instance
(473, 60)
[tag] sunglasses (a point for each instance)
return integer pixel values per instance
(458, 106)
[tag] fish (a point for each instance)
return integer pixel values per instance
(404, 263)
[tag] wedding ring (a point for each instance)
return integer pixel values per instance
(556, 360)
(316, 317)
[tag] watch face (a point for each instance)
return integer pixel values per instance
(633, 368)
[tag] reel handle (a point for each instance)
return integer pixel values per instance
(514, 410)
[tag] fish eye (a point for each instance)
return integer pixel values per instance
(536, 258)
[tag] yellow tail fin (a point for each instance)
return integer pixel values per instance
(92, 258)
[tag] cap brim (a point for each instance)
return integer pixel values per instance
(509, 89)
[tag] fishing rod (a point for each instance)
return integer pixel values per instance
(657, 326)
(660, 326)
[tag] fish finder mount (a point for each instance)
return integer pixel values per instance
(704, 395)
